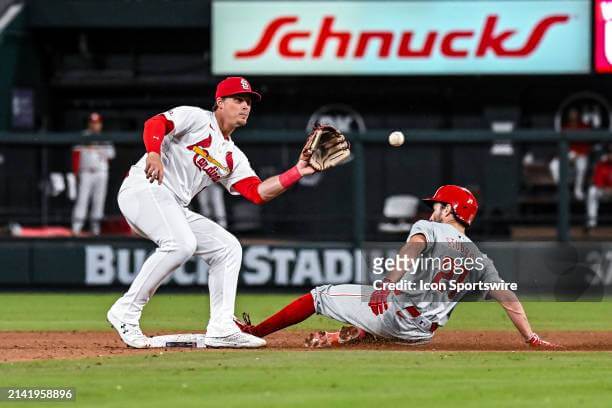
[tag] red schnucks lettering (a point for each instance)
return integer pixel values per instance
(326, 33)
(448, 50)
(406, 52)
(385, 37)
(495, 43)
(266, 38)
(452, 44)
(284, 48)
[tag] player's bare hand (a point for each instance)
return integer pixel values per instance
(306, 152)
(304, 168)
(536, 342)
(154, 169)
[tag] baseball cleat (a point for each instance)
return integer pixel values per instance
(322, 339)
(245, 325)
(129, 333)
(236, 340)
(536, 341)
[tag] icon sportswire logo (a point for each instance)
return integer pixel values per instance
(281, 36)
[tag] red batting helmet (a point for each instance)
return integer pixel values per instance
(462, 201)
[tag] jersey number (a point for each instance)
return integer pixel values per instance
(456, 273)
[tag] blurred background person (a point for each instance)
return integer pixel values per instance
(578, 154)
(212, 204)
(90, 163)
(600, 189)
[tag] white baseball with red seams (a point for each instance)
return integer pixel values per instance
(195, 154)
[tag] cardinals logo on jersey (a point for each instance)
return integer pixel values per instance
(205, 162)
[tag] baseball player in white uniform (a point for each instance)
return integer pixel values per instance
(188, 149)
(409, 313)
(212, 204)
(90, 165)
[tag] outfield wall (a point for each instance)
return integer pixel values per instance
(547, 268)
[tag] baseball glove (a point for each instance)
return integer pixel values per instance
(326, 147)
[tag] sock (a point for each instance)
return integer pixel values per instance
(295, 312)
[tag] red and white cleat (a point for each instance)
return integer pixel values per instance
(323, 339)
(536, 342)
(245, 325)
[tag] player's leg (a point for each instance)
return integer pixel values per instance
(223, 252)
(203, 202)
(217, 202)
(553, 166)
(154, 212)
(295, 312)
(350, 304)
(98, 201)
(593, 197)
(339, 302)
(581, 168)
(79, 212)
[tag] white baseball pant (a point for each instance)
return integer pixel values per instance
(581, 163)
(92, 188)
(594, 196)
(153, 211)
(349, 304)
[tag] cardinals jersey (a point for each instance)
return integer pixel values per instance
(195, 154)
(92, 157)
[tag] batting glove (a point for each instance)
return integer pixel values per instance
(378, 300)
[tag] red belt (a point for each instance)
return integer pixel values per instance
(414, 312)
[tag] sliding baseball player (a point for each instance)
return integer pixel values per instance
(189, 149)
(412, 301)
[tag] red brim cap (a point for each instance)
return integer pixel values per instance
(256, 96)
(235, 86)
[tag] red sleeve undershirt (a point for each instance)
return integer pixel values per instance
(155, 129)
(76, 161)
(247, 187)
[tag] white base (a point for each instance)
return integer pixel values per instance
(197, 339)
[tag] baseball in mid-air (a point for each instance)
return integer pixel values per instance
(396, 138)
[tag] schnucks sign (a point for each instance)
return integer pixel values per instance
(420, 37)
(603, 36)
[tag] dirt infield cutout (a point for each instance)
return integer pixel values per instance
(28, 346)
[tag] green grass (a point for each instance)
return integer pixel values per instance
(338, 378)
(275, 378)
(35, 311)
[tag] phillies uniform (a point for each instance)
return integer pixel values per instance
(195, 155)
(601, 188)
(90, 164)
(413, 315)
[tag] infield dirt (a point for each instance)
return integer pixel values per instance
(28, 346)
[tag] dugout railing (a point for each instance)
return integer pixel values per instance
(364, 147)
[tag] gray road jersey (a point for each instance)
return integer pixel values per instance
(449, 256)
